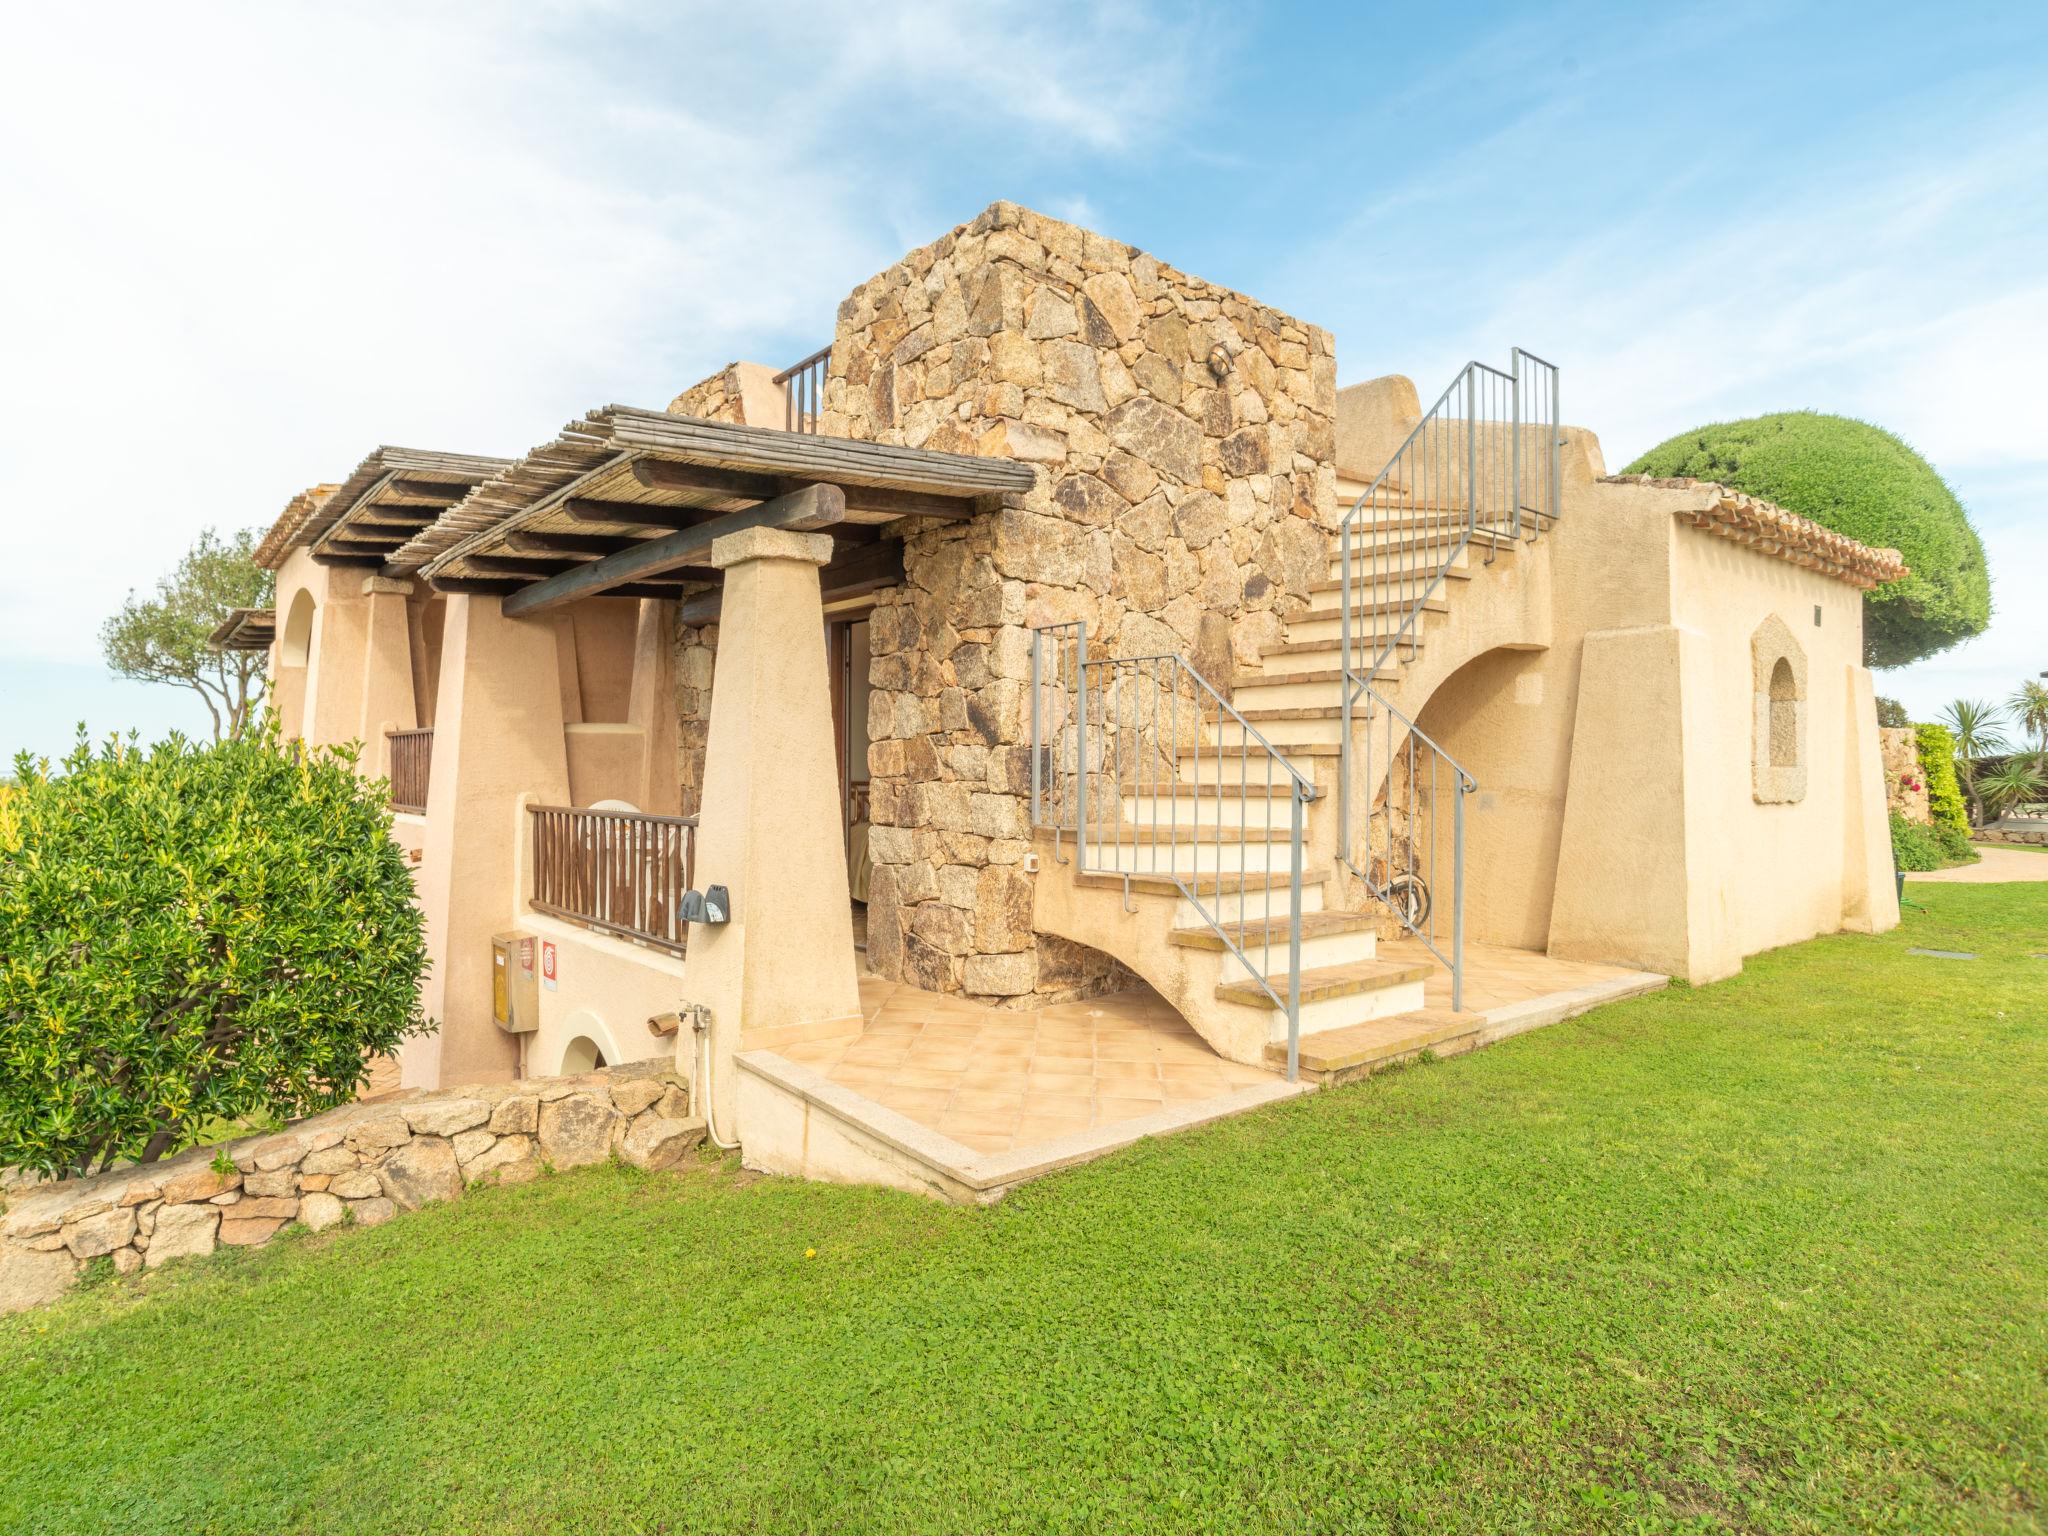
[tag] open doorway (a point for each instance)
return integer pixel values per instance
(846, 654)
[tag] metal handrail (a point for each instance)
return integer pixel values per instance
(1156, 732)
(1404, 877)
(1460, 474)
(803, 390)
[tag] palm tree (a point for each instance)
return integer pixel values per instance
(1973, 724)
(2016, 782)
(2029, 707)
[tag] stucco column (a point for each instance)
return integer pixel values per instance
(781, 970)
(1641, 864)
(497, 735)
(1870, 896)
(387, 692)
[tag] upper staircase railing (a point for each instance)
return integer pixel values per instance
(1482, 468)
(803, 390)
(1154, 774)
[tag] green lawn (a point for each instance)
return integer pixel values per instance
(1770, 1255)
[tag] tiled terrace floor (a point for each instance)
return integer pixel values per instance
(1496, 976)
(996, 1080)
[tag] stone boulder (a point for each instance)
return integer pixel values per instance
(657, 1143)
(578, 1129)
(420, 1172)
(183, 1231)
(320, 1211)
(29, 1279)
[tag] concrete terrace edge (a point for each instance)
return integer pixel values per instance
(1511, 1019)
(989, 1176)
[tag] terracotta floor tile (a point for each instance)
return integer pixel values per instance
(991, 1100)
(914, 1102)
(1109, 1111)
(1060, 1082)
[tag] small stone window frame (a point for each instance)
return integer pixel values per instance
(1778, 765)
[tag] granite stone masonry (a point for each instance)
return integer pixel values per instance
(1184, 437)
(363, 1163)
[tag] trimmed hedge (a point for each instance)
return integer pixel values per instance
(1862, 481)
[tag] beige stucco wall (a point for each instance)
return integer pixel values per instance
(1616, 818)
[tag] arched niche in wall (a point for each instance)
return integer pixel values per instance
(1778, 683)
(296, 642)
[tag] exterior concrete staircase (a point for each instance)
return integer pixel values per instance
(1195, 829)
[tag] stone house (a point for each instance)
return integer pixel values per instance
(1062, 634)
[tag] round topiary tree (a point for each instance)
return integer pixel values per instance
(1860, 481)
(192, 933)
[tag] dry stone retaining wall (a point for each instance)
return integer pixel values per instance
(363, 1163)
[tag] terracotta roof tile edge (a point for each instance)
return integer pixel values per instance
(1771, 530)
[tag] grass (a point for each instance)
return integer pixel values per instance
(1770, 1255)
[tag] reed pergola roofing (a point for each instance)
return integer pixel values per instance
(625, 503)
(244, 629)
(283, 536)
(393, 494)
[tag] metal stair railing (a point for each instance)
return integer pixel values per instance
(1408, 854)
(1154, 773)
(1482, 464)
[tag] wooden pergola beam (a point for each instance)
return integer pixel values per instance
(875, 498)
(532, 542)
(334, 557)
(815, 506)
(435, 492)
(867, 569)
(583, 509)
(726, 485)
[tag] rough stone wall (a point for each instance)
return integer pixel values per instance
(715, 399)
(1905, 784)
(363, 1163)
(1185, 437)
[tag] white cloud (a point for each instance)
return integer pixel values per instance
(249, 243)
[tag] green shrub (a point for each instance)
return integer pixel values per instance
(1914, 846)
(1862, 481)
(1890, 712)
(193, 933)
(1937, 749)
(1955, 846)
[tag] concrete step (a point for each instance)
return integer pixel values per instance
(1327, 624)
(1335, 996)
(1370, 586)
(1227, 850)
(1327, 939)
(1286, 728)
(1227, 897)
(1256, 806)
(1344, 1055)
(1215, 763)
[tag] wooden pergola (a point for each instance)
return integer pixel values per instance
(244, 629)
(391, 497)
(626, 503)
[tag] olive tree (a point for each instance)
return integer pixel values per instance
(162, 638)
(190, 932)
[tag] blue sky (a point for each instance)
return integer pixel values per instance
(249, 243)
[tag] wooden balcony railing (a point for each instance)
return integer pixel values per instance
(615, 871)
(412, 761)
(803, 387)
